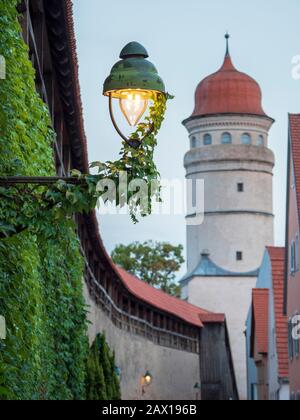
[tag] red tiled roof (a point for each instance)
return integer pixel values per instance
(228, 91)
(160, 300)
(294, 124)
(260, 299)
(277, 256)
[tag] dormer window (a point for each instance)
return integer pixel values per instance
(226, 138)
(246, 139)
(207, 140)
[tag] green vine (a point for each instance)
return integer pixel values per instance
(38, 205)
(138, 164)
(41, 270)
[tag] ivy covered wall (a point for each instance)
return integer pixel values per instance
(44, 355)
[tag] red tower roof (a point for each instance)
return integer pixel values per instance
(228, 91)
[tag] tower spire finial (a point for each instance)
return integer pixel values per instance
(227, 36)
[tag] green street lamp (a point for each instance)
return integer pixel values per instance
(134, 81)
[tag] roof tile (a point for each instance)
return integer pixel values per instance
(162, 301)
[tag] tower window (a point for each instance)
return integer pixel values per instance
(246, 139)
(240, 187)
(239, 256)
(260, 140)
(207, 140)
(194, 142)
(226, 138)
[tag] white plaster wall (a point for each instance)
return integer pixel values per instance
(234, 221)
(225, 234)
(231, 296)
(174, 372)
(221, 192)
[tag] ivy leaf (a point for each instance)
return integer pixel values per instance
(76, 173)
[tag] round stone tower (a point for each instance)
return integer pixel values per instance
(228, 133)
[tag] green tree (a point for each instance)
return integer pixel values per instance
(156, 263)
(104, 355)
(96, 387)
(102, 382)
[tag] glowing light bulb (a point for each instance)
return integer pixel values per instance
(148, 379)
(133, 106)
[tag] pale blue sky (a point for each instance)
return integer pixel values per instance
(185, 40)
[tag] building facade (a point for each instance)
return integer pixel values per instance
(292, 277)
(269, 378)
(147, 329)
(228, 134)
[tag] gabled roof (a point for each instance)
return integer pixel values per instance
(294, 128)
(164, 302)
(207, 268)
(260, 312)
(277, 257)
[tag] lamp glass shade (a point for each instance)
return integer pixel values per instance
(133, 105)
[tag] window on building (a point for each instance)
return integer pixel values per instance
(226, 138)
(207, 140)
(194, 142)
(239, 256)
(260, 140)
(240, 187)
(246, 138)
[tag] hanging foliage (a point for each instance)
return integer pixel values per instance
(41, 298)
(38, 205)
